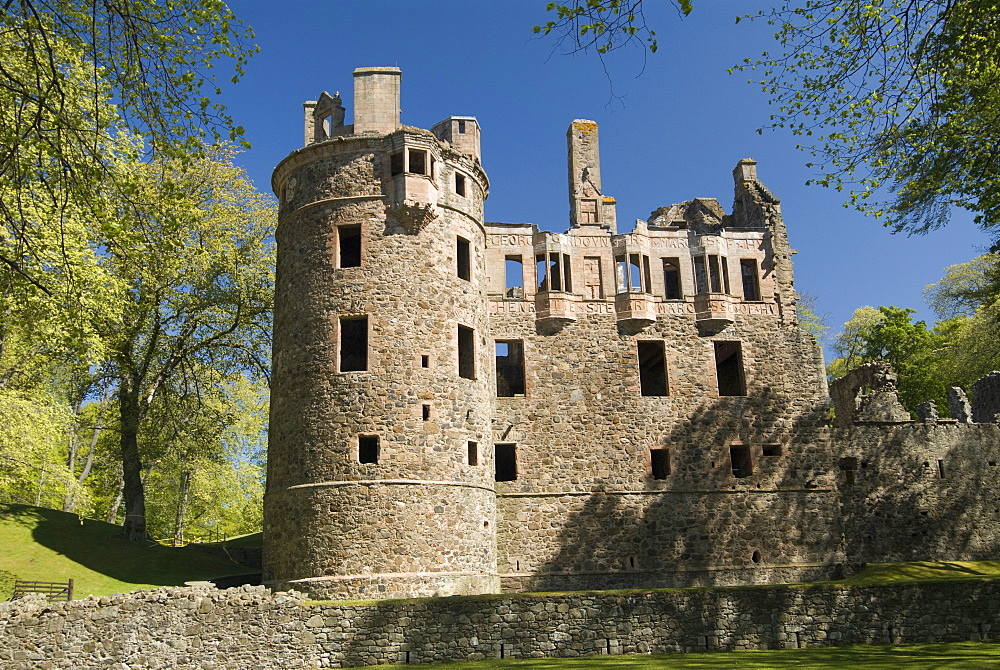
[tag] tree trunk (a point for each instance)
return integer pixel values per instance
(134, 527)
(69, 505)
(38, 495)
(112, 516)
(182, 504)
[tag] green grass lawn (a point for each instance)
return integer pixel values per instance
(955, 656)
(922, 571)
(48, 545)
(252, 541)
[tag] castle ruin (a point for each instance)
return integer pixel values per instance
(460, 406)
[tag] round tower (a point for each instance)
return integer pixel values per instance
(380, 477)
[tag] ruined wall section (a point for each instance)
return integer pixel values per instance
(373, 486)
(920, 491)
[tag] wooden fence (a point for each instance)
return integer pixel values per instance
(51, 590)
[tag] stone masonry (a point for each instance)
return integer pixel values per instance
(462, 407)
(249, 627)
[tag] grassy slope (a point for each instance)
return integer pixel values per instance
(44, 544)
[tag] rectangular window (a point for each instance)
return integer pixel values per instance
(634, 274)
(652, 368)
(713, 274)
(396, 163)
(368, 449)
(725, 274)
(739, 456)
(505, 458)
(751, 279)
(460, 184)
(729, 368)
(349, 241)
(672, 279)
(418, 162)
(514, 276)
(770, 450)
(659, 461)
(353, 344)
(461, 127)
(510, 368)
(472, 450)
(425, 361)
(466, 352)
(555, 276)
(554, 272)
(700, 274)
(464, 259)
(588, 211)
(425, 412)
(541, 273)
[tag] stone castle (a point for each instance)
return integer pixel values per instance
(461, 406)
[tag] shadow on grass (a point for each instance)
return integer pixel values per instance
(100, 547)
(913, 657)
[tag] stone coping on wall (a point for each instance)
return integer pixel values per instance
(252, 627)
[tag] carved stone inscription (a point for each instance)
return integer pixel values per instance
(526, 307)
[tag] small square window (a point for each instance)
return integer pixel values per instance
(466, 352)
(349, 241)
(659, 460)
(353, 344)
(464, 259)
(741, 461)
(368, 449)
(418, 162)
(505, 458)
(771, 450)
(473, 453)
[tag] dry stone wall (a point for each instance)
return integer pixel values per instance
(249, 627)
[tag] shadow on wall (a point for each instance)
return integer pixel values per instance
(921, 492)
(917, 491)
(749, 498)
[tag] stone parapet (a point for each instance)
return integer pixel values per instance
(249, 627)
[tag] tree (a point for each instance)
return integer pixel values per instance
(849, 343)
(898, 95)
(74, 74)
(602, 26)
(968, 297)
(966, 287)
(809, 321)
(915, 353)
(194, 258)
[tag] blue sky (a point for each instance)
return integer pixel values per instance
(676, 132)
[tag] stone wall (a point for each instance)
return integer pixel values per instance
(251, 628)
(917, 492)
